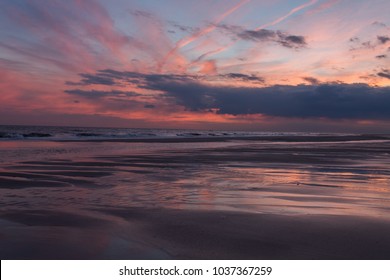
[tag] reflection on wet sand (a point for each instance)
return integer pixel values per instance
(248, 200)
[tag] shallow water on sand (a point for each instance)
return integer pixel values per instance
(321, 178)
(62, 188)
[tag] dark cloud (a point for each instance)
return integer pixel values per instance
(367, 45)
(183, 28)
(70, 83)
(380, 24)
(381, 56)
(292, 41)
(383, 39)
(331, 101)
(93, 79)
(107, 77)
(354, 39)
(368, 77)
(140, 13)
(101, 93)
(384, 74)
(357, 44)
(149, 106)
(230, 29)
(311, 80)
(117, 78)
(284, 39)
(257, 35)
(243, 77)
(265, 35)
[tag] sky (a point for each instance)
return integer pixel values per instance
(283, 65)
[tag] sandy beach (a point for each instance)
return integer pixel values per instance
(284, 198)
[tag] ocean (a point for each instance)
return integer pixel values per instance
(82, 133)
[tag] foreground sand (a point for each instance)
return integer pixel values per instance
(186, 234)
(245, 201)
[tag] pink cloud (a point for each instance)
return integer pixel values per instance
(185, 41)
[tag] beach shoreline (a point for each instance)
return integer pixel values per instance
(233, 200)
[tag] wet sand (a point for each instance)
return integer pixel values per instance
(186, 234)
(246, 201)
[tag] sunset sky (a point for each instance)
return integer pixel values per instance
(288, 65)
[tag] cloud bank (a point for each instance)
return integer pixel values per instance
(194, 93)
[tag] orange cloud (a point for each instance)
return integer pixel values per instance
(209, 67)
